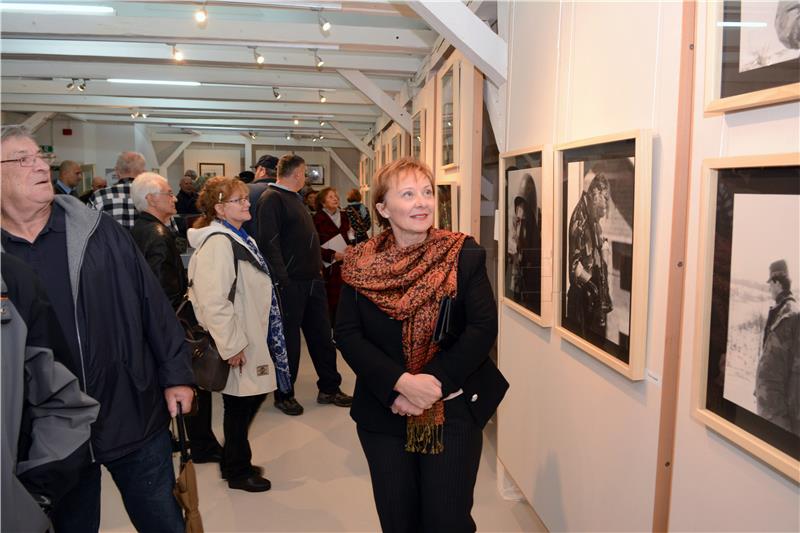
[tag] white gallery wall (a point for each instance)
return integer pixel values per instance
(716, 485)
(578, 438)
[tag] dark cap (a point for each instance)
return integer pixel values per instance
(269, 162)
(778, 269)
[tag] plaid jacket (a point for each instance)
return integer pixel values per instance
(117, 202)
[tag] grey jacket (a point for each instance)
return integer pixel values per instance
(45, 417)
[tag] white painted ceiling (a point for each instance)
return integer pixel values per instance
(43, 53)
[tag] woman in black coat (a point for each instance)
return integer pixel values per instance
(419, 404)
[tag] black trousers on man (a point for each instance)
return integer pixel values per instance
(424, 493)
(305, 306)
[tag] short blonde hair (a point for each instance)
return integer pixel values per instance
(387, 176)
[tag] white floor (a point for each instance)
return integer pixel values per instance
(320, 480)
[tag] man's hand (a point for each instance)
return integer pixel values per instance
(421, 389)
(403, 407)
(182, 394)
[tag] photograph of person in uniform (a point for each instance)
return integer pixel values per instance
(524, 237)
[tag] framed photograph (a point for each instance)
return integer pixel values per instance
(418, 135)
(747, 351)
(526, 234)
(603, 242)
(448, 91)
(209, 170)
(315, 175)
(753, 54)
(447, 206)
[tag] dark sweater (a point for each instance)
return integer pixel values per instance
(287, 236)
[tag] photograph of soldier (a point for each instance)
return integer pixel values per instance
(762, 346)
(598, 253)
(524, 237)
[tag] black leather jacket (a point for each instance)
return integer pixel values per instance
(157, 243)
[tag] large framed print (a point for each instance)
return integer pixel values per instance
(753, 54)
(747, 349)
(447, 206)
(526, 233)
(315, 175)
(209, 170)
(602, 190)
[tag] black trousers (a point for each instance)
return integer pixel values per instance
(239, 414)
(305, 306)
(198, 426)
(426, 493)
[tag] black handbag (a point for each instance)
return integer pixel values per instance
(447, 328)
(210, 369)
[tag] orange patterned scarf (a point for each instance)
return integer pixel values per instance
(408, 284)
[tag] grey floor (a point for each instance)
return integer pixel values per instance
(320, 480)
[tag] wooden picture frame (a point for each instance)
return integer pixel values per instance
(209, 170)
(624, 276)
(723, 31)
(539, 310)
(446, 215)
(418, 135)
(448, 118)
(730, 187)
(397, 148)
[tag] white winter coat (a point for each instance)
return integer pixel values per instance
(238, 326)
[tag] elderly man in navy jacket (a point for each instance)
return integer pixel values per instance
(125, 345)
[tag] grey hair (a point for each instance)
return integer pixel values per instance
(144, 184)
(128, 162)
(16, 131)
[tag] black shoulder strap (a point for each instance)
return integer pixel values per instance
(240, 253)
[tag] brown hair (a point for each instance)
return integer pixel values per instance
(288, 163)
(387, 176)
(216, 190)
(354, 196)
(321, 196)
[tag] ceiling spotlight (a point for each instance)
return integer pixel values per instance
(201, 16)
(71, 85)
(252, 135)
(82, 86)
(289, 136)
(318, 60)
(276, 94)
(321, 123)
(177, 55)
(321, 137)
(134, 113)
(314, 140)
(144, 115)
(322, 98)
(259, 58)
(296, 122)
(324, 24)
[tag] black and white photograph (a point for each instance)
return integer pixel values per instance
(315, 175)
(597, 246)
(752, 352)
(447, 206)
(523, 235)
(763, 310)
(771, 34)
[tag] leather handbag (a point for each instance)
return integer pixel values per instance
(210, 369)
(448, 326)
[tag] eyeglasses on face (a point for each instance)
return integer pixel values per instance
(30, 160)
(168, 193)
(240, 201)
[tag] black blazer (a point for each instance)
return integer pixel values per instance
(371, 343)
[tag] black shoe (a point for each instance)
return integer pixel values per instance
(289, 406)
(337, 398)
(254, 470)
(214, 456)
(251, 483)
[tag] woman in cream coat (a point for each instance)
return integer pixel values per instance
(239, 327)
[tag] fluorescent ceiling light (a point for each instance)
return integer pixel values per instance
(154, 82)
(61, 9)
(741, 24)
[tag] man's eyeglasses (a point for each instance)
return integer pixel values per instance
(168, 193)
(30, 160)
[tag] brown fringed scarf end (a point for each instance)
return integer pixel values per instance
(424, 438)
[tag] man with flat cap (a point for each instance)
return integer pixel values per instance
(266, 170)
(778, 372)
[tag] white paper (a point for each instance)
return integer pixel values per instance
(337, 244)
